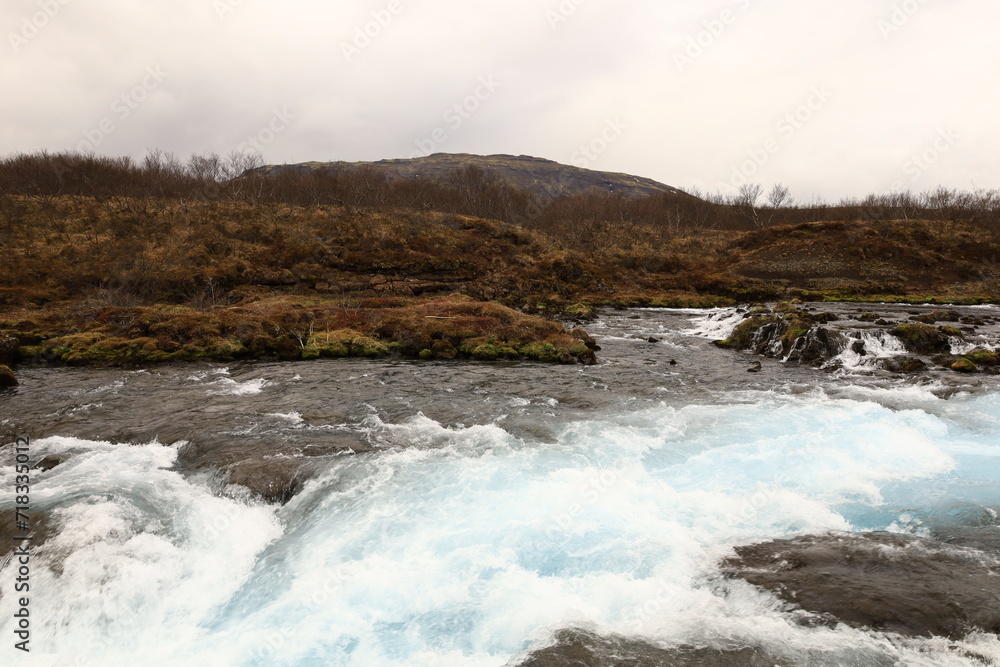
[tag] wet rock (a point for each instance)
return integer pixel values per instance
(887, 582)
(7, 377)
(10, 533)
(578, 648)
(903, 364)
(755, 368)
(274, 479)
(964, 366)
(937, 316)
(8, 349)
(652, 339)
(816, 346)
(921, 338)
(442, 349)
(49, 462)
(585, 338)
(869, 317)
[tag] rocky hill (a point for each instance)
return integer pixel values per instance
(541, 177)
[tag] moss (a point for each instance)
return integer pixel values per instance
(964, 366)
(426, 354)
(28, 352)
(581, 311)
(485, 352)
(922, 338)
(539, 351)
(951, 331)
(742, 336)
(984, 357)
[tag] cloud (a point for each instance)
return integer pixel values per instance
(702, 87)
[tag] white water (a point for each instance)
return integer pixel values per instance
(473, 546)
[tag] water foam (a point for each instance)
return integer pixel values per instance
(467, 545)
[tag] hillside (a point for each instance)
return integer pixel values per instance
(109, 262)
(543, 178)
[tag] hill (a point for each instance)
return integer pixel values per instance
(543, 178)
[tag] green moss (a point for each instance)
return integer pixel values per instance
(485, 353)
(964, 366)
(921, 338)
(951, 331)
(426, 354)
(581, 310)
(742, 336)
(984, 357)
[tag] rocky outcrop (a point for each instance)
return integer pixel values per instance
(8, 349)
(893, 583)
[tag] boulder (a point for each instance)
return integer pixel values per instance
(8, 349)
(7, 378)
(882, 581)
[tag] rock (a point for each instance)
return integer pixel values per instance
(579, 648)
(274, 479)
(858, 347)
(937, 316)
(921, 338)
(7, 378)
(964, 366)
(49, 462)
(651, 339)
(816, 346)
(442, 349)
(887, 582)
(903, 364)
(585, 338)
(756, 368)
(9, 532)
(8, 349)
(673, 362)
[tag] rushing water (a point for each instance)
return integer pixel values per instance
(464, 514)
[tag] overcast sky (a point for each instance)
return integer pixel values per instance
(830, 98)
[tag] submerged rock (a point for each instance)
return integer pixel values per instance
(887, 582)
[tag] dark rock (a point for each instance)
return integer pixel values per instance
(673, 362)
(578, 648)
(442, 349)
(651, 339)
(817, 345)
(41, 530)
(883, 322)
(585, 338)
(903, 364)
(49, 462)
(8, 349)
(7, 378)
(937, 316)
(888, 582)
(858, 347)
(756, 368)
(921, 338)
(274, 480)
(869, 317)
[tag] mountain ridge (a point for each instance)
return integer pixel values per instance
(542, 177)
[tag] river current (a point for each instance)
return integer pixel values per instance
(467, 514)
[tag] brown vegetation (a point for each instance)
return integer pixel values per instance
(107, 259)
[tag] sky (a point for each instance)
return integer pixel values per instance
(831, 99)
